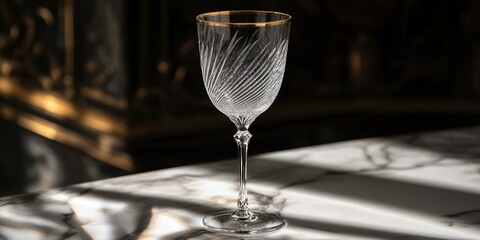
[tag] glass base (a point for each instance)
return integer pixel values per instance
(260, 223)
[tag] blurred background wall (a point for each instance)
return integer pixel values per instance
(98, 88)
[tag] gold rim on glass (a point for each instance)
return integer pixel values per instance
(201, 20)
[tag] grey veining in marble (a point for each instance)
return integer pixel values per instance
(424, 186)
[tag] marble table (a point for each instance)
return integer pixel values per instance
(423, 186)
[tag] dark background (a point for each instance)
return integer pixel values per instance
(355, 69)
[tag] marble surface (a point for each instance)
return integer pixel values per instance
(423, 186)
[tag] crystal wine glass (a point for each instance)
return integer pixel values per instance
(243, 55)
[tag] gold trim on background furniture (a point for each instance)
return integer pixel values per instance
(63, 109)
(100, 149)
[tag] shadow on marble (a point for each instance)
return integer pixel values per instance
(61, 219)
(355, 231)
(28, 216)
(201, 210)
(436, 201)
(201, 234)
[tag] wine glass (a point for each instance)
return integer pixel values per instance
(242, 56)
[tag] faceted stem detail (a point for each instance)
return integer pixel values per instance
(242, 137)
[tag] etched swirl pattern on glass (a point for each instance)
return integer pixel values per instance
(242, 69)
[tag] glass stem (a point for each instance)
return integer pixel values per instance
(242, 137)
